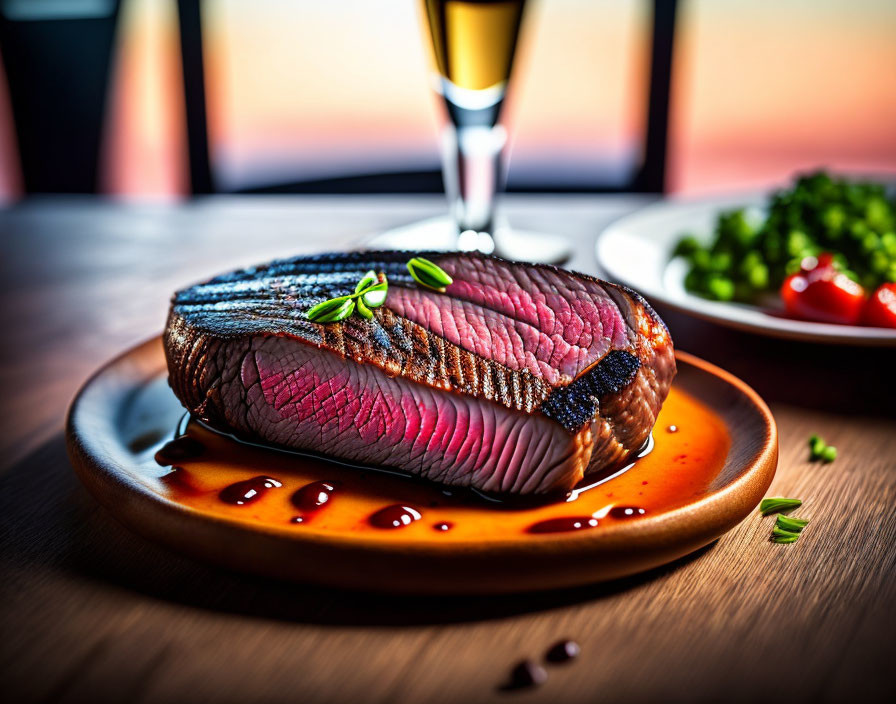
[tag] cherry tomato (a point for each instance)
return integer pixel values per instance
(819, 292)
(880, 310)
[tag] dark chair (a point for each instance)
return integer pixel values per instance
(650, 177)
(57, 60)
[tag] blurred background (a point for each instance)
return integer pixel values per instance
(157, 99)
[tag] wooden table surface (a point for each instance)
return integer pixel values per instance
(90, 612)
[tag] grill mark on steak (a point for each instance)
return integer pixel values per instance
(441, 408)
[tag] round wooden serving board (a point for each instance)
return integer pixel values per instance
(697, 483)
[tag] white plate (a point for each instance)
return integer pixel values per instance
(636, 251)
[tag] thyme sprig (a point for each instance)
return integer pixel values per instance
(370, 292)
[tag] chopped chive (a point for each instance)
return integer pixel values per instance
(781, 533)
(317, 313)
(369, 293)
(776, 504)
(792, 538)
(375, 295)
(340, 313)
(429, 274)
(794, 525)
(816, 447)
(363, 310)
(829, 453)
(369, 280)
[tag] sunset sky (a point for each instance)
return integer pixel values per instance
(302, 89)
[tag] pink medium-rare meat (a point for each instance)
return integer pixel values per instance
(518, 378)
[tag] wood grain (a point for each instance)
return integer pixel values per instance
(90, 612)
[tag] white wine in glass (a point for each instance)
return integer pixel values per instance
(473, 44)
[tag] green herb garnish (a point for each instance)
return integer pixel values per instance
(369, 293)
(792, 525)
(774, 505)
(429, 274)
(820, 450)
(789, 538)
(363, 310)
(323, 312)
(781, 533)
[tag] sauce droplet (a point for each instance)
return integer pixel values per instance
(563, 525)
(314, 496)
(443, 526)
(183, 448)
(178, 480)
(297, 519)
(622, 512)
(564, 651)
(395, 516)
(672, 429)
(528, 674)
(248, 491)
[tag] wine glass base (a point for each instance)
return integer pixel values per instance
(440, 234)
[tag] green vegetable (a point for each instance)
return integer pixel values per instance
(375, 296)
(774, 505)
(819, 450)
(369, 293)
(794, 525)
(363, 310)
(781, 533)
(429, 274)
(855, 221)
(791, 538)
(341, 312)
(321, 310)
(367, 281)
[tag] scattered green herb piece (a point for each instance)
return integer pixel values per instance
(429, 274)
(820, 450)
(794, 525)
(792, 538)
(781, 533)
(776, 504)
(816, 446)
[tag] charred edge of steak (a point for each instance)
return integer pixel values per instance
(578, 403)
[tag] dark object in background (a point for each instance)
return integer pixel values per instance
(57, 58)
(563, 651)
(527, 674)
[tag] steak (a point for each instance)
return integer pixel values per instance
(518, 378)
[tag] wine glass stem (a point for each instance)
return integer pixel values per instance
(471, 164)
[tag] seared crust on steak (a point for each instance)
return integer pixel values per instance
(519, 378)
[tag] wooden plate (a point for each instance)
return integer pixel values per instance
(126, 411)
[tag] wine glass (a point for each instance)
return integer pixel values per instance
(473, 43)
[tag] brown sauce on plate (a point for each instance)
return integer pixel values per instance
(284, 491)
(314, 496)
